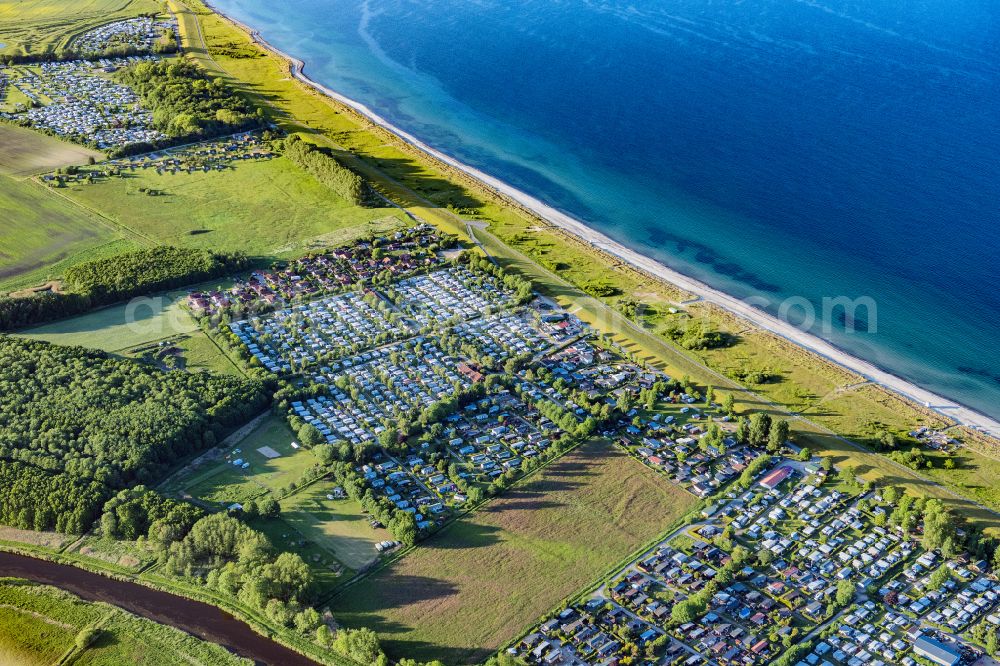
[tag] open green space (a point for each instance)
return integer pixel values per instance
(42, 26)
(199, 353)
(40, 229)
(224, 483)
(39, 625)
(339, 525)
(28, 639)
(121, 326)
(263, 208)
(23, 151)
(481, 581)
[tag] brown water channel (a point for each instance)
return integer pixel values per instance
(199, 619)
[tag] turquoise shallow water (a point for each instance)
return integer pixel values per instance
(770, 148)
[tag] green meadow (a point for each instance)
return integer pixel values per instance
(122, 326)
(222, 483)
(339, 525)
(262, 208)
(488, 576)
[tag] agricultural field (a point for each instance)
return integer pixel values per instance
(120, 327)
(39, 624)
(42, 26)
(488, 576)
(261, 208)
(39, 229)
(338, 525)
(23, 152)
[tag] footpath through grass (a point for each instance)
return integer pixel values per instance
(466, 591)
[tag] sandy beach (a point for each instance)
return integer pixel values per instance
(959, 413)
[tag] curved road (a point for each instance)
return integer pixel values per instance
(198, 619)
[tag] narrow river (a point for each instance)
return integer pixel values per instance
(199, 619)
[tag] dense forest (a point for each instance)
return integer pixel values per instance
(33, 499)
(241, 563)
(326, 169)
(93, 416)
(104, 281)
(186, 103)
(143, 271)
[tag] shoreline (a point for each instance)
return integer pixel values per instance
(924, 398)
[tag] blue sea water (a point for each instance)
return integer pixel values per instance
(812, 148)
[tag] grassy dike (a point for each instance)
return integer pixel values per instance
(834, 411)
(40, 624)
(152, 578)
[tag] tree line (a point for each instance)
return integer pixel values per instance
(104, 281)
(142, 271)
(136, 513)
(326, 169)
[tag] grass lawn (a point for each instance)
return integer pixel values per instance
(39, 228)
(40, 26)
(262, 208)
(225, 483)
(122, 326)
(338, 525)
(476, 585)
(24, 151)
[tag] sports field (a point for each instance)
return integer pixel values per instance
(261, 208)
(24, 151)
(40, 26)
(468, 590)
(40, 229)
(338, 525)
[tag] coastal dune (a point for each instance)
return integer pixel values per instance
(600, 242)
